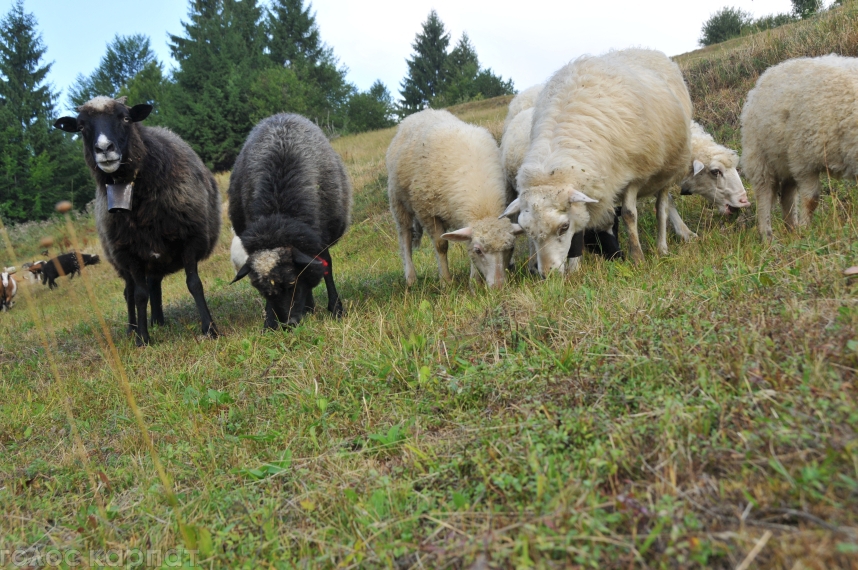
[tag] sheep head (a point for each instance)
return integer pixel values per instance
(719, 183)
(551, 215)
(285, 276)
(489, 243)
(106, 126)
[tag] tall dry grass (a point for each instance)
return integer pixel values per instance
(719, 79)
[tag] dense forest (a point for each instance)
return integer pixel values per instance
(235, 62)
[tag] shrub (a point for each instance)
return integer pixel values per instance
(724, 24)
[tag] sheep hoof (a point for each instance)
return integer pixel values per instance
(212, 331)
(338, 311)
(690, 236)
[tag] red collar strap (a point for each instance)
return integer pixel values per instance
(325, 264)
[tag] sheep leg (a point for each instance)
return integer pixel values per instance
(417, 234)
(676, 221)
(436, 228)
(662, 208)
(154, 284)
(765, 194)
(808, 193)
(788, 203)
(406, 222)
(576, 250)
(630, 217)
(141, 300)
(129, 302)
(195, 286)
(335, 306)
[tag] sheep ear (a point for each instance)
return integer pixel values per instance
(459, 235)
(242, 273)
(301, 258)
(517, 230)
(698, 167)
(67, 124)
(511, 210)
(576, 196)
(139, 112)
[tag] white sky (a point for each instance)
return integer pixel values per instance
(525, 41)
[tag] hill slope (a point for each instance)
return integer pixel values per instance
(671, 414)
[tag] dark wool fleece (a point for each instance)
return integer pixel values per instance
(176, 204)
(289, 188)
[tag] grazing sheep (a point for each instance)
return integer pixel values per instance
(514, 145)
(289, 201)
(799, 121)
(713, 173)
(447, 174)
(65, 264)
(8, 289)
(607, 129)
(237, 254)
(521, 102)
(157, 207)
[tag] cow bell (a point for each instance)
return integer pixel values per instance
(119, 197)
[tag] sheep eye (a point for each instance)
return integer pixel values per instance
(715, 172)
(126, 119)
(563, 229)
(478, 251)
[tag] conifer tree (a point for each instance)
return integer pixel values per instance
(427, 67)
(220, 54)
(295, 44)
(39, 165)
(126, 56)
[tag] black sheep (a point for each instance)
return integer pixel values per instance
(289, 201)
(157, 207)
(65, 264)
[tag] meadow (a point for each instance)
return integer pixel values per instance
(696, 410)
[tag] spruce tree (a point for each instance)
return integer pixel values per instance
(220, 54)
(39, 165)
(465, 80)
(295, 44)
(460, 69)
(427, 67)
(126, 56)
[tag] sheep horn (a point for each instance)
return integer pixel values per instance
(242, 273)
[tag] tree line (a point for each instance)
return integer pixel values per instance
(730, 22)
(237, 61)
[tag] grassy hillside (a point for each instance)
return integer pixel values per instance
(698, 410)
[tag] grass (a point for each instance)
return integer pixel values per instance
(686, 412)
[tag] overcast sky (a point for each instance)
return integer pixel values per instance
(525, 41)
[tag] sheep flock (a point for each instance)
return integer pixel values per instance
(577, 154)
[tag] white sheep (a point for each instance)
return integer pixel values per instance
(524, 100)
(800, 120)
(606, 129)
(514, 145)
(237, 254)
(713, 173)
(447, 174)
